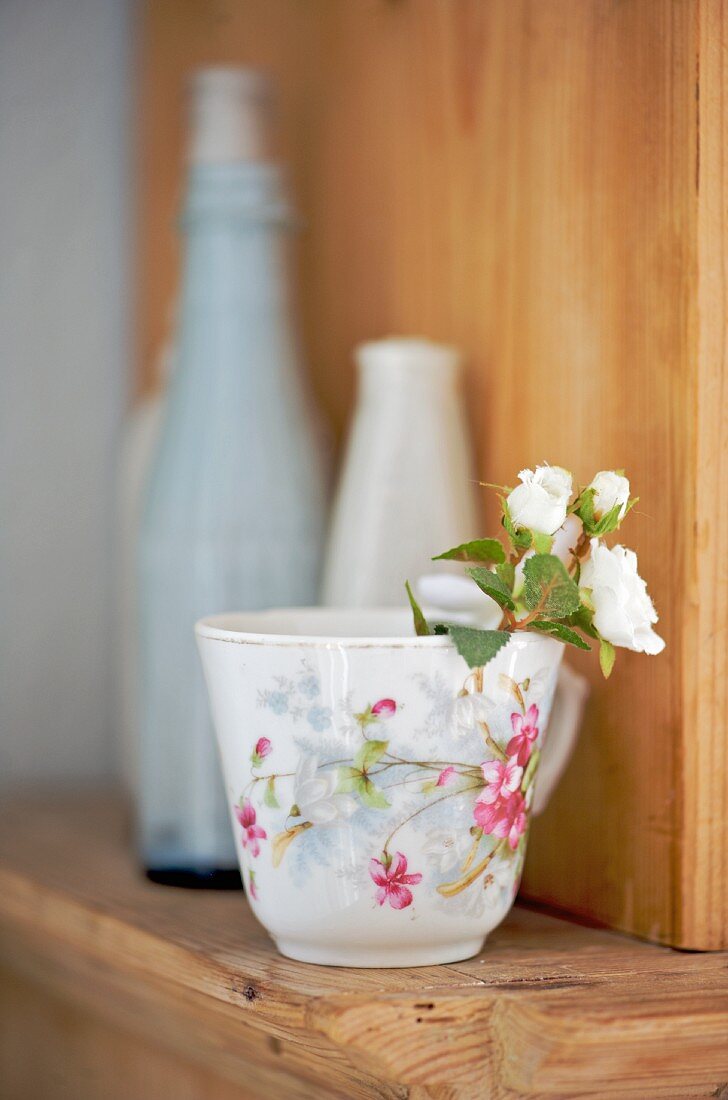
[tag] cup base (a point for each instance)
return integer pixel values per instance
(379, 957)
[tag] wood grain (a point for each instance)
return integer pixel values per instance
(544, 185)
(128, 987)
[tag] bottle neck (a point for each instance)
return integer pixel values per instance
(387, 382)
(245, 192)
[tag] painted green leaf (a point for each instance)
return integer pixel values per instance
(560, 631)
(548, 586)
(606, 657)
(530, 771)
(478, 647)
(348, 779)
(492, 585)
(369, 753)
(489, 551)
(269, 798)
(370, 796)
(421, 627)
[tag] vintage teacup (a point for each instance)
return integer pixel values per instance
(380, 790)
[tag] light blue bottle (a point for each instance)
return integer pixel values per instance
(235, 509)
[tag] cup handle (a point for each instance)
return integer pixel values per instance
(567, 709)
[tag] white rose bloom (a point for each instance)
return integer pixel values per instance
(610, 489)
(540, 503)
(623, 612)
(314, 792)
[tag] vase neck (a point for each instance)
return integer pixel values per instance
(397, 366)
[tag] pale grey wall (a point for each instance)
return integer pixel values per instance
(64, 186)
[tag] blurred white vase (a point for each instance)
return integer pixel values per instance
(407, 489)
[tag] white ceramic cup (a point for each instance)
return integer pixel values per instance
(380, 790)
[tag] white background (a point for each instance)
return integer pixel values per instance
(65, 228)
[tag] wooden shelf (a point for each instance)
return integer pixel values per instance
(550, 1009)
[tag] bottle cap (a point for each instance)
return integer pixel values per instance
(413, 352)
(231, 111)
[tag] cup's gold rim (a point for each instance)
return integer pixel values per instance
(214, 628)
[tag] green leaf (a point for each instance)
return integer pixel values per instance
(489, 551)
(584, 508)
(610, 521)
(441, 628)
(370, 796)
(605, 524)
(269, 798)
(349, 779)
(549, 587)
(558, 630)
(606, 657)
(369, 753)
(477, 647)
(582, 620)
(542, 543)
(492, 585)
(421, 627)
(520, 537)
(507, 573)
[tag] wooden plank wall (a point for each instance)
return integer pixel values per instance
(542, 183)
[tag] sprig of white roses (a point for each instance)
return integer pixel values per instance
(557, 576)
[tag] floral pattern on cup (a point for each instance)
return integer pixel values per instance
(480, 855)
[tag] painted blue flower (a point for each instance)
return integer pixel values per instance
(309, 686)
(319, 718)
(278, 702)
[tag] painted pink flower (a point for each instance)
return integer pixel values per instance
(505, 818)
(447, 775)
(252, 833)
(262, 747)
(393, 881)
(525, 732)
(385, 708)
(501, 780)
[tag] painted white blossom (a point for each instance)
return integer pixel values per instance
(540, 503)
(610, 489)
(314, 792)
(498, 885)
(468, 710)
(445, 850)
(623, 611)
